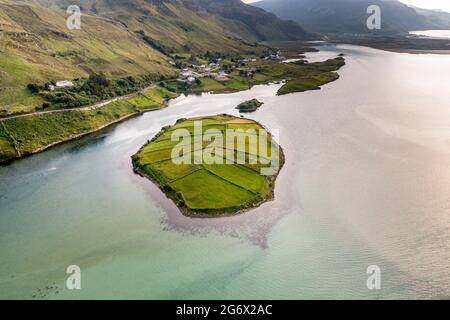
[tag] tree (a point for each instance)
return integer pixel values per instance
(100, 79)
(34, 88)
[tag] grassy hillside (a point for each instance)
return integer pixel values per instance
(36, 46)
(28, 134)
(167, 25)
(177, 23)
(119, 38)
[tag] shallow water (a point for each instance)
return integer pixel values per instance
(366, 182)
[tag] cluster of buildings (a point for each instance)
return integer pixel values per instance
(276, 56)
(212, 70)
(247, 72)
(246, 60)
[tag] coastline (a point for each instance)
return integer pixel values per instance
(93, 106)
(80, 135)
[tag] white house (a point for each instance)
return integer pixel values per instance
(222, 76)
(187, 73)
(64, 84)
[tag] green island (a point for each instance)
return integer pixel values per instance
(249, 106)
(206, 189)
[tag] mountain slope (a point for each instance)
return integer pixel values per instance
(36, 46)
(436, 19)
(120, 38)
(349, 16)
(263, 25)
(181, 21)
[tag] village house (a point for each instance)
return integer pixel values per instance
(64, 84)
(186, 73)
(190, 79)
(221, 76)
(61, 85)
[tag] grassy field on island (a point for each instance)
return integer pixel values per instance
(202, 187)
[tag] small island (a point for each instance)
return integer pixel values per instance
(249, 106)
(196, 167)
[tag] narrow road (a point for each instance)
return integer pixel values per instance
(91, 107)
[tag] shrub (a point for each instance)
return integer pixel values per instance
(33, 88)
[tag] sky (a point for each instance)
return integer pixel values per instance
(427, 4)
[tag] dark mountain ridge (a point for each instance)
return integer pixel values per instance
(350, 16)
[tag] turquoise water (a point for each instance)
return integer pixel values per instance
(366, 182)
